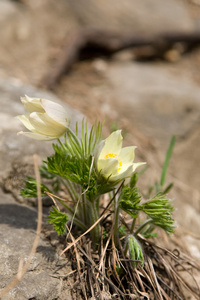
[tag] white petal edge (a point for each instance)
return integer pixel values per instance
(37, 136)
(127, 171)
(26, 122)
(32, 104)
(122, 175)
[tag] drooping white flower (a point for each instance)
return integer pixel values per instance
(46, 120)
(115, 162)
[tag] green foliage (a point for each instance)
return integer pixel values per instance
(130, 201)
(30, 188)
(159, 186)
(135, 251)
(58, 219)
(122, 230)
(147, 231)
(74, 159)
(133, 180)
(159, 209)
(167, 159)
(54, 180)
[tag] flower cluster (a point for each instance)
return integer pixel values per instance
(88, 167)
(48, 120)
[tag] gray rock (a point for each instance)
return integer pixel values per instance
(156, 101)
(144, 17)
(7, 10)
(17, 233)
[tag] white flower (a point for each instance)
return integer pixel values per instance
(46, 120)
(115, 162)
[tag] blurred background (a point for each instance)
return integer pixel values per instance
(133, 64)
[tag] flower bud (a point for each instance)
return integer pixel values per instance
(46, 120)
(135, 251)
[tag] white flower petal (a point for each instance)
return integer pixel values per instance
(108, 167)
(113, 144)
(122, 175)
(136, 165)
(32, 104)
(55, 111)
(37, 136)
(25, 120)
(43, 124)
(127, 155)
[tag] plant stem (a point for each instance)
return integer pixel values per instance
(76, 220)
(116, 222)
(94, 216)
(70, 189)
(133, 225)
(83, 211)
(142, 226)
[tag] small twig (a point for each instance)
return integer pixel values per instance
(97, 269)
(63, 276)
(78, 263)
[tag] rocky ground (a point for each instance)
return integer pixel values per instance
(149, 100)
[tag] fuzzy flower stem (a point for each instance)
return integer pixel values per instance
(83, 211)
(116, 222)
(142, 226)
(94, 217)
(133, 225)
(71, 189)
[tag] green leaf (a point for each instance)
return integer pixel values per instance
(58, 219)
(129, 201)
(168, 188)
(30, 188)
(167, 159)
(160, 209)
(134, 179)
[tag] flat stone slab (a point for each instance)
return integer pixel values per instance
(17, 232)
(155, 100)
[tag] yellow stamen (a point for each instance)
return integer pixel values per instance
(109, 155)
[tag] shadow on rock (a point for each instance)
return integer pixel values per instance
(47, 252)
(18, 216)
